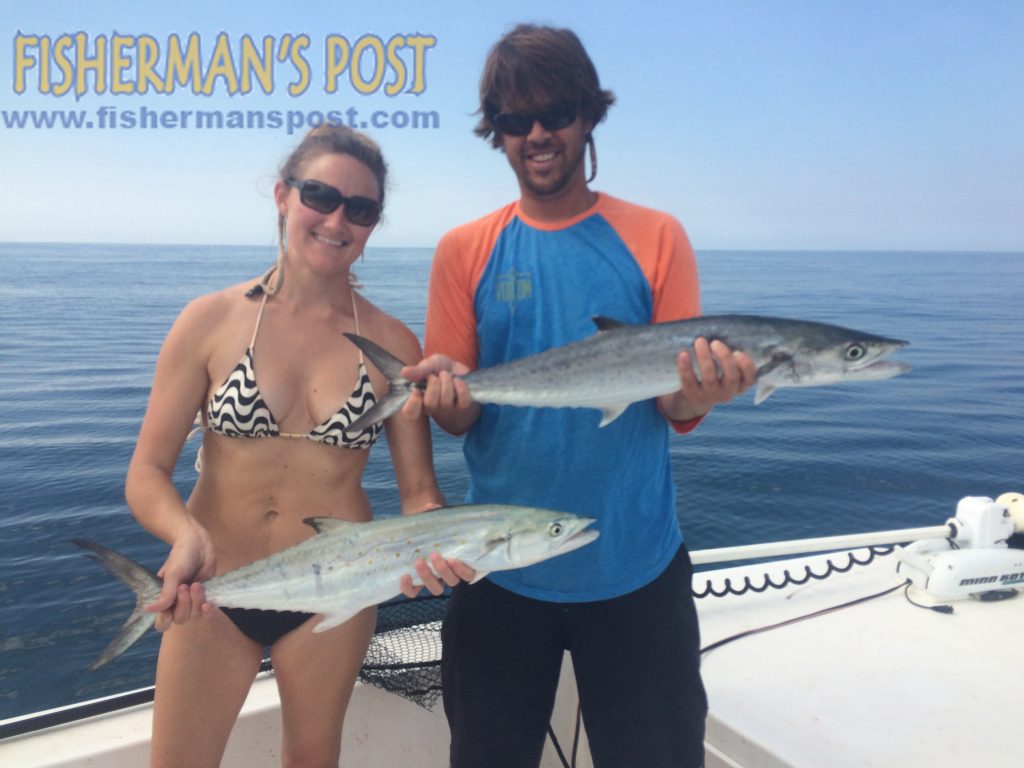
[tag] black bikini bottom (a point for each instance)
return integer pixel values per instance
(265, 627)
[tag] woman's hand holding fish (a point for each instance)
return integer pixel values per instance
(720, 375)
(192, 560)
(445, 395)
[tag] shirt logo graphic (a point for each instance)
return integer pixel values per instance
(513, 287)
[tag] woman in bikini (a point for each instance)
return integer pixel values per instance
(276, 385)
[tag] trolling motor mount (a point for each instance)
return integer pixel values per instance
(974, 559)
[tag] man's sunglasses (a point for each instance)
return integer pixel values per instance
(323, 198)
(553, 118)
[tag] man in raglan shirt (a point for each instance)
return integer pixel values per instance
(522, 279)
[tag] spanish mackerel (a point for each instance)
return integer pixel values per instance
(349, 566)
(622, 364)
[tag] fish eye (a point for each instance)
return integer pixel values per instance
(855, 352)
(555, 529)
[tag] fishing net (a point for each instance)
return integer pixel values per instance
(405, 653)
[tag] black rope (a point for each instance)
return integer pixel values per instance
(575, 742)
(558, 748)
(576, 737)
(789, 580)
(814, 614)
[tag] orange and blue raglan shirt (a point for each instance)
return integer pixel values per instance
(507, 286)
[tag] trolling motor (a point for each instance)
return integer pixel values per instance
(974, 559)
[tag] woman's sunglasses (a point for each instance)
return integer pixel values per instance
(554, 118)
(323, 198)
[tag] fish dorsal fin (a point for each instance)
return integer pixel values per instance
(327, 524)
(607, 323)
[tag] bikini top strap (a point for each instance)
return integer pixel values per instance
(355, 314)
(259, 317)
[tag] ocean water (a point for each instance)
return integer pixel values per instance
(81, 326)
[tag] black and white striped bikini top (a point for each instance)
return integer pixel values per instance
(237, 408)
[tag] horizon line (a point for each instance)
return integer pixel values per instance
(774, 249)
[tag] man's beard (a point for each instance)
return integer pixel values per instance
(551, 185)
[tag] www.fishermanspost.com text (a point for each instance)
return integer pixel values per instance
(107, 118)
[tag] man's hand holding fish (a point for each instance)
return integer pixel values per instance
(724, 374)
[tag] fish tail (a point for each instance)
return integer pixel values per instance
(400, 388)
(143, 582)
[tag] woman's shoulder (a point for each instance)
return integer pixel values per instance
(221, 303)
(205, 314)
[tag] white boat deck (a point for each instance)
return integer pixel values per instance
(882, 684)
(382, 730)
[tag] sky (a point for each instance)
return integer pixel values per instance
(764, 125)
